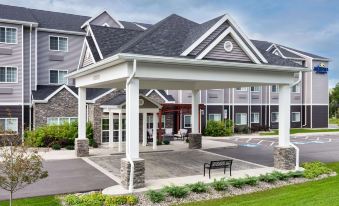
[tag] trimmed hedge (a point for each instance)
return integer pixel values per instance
(315, 169)
(219, 128)
(63, 135)
(98, 199)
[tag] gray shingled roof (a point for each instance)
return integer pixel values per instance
(288, 53)
(163, 93)
(306, 53)
(16, 13)
(116, 100)
(43, 91)
(131, 25)
(110, 39)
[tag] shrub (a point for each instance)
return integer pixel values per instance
(295, 174)
(56, 147)
(166, 142)
(269, 178)
(159, 142)
(155, 196)
(252, 181)
(242, 129)
(219, 128)
(198, 187)
(187, 140)
(315, 169)
(98, 199)
(63, 135)
(69, 147)
(72, 200)
(220, 185)
(280, 175)
(176, 191)
(238, 183)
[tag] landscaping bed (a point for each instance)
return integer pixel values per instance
(172, 194)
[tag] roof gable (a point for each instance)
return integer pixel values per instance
(103, 19)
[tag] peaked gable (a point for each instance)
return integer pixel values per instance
(103, 19)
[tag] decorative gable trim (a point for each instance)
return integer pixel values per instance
(162, 96)
(277, 49)
(84, 49)
(225, 18)
(87, 23)
(239, 41)
(56, 92)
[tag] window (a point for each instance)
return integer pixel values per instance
(60, 120)
(57, 76)
(105, 130)
(57, 43)
(275, 117)
(8, 125)
(296, 88)
(8, 35)
(214, 117)
(241, 119)
(295, 116)
(255, 117)
(255, 89)
(163, 121)
(187, 121)
(242, 89)
(149, 121)
(8, 74)
(275, 88)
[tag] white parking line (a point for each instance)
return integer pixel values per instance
(260, 141)
(101, 169)
(249, 139)
(272, 144)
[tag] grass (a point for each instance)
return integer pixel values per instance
(318, 193)
(333, 121)
(299, 130)
(34, 201)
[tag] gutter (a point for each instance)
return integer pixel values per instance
(297, 150)
(131, 176)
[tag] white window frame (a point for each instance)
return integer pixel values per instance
(188, 115)
(214, 114)
(258, 119)
(104, 118)
(277, 88)
(241, 89)
(6, 122)
(16, 34)
(299, 117)
(58, 70)
(58, 118)
(258, 89)
(163, 121)
(16, 76)
(277, 113)
(49, 43)
(241, 118)
(297, 89)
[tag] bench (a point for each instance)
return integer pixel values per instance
(219, 164)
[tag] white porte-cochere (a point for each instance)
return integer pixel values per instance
(135, 72)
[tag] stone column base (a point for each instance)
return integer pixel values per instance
(194, 141)
(81, 147)
(139, 173)
(284, 158)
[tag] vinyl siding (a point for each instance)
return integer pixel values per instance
(14, 60)
(320, 86)
(105, 18)
(27, 51)
(70, 59)
(219, 53)
(88, 59)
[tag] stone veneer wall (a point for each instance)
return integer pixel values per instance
(63, 104)
(95, 114)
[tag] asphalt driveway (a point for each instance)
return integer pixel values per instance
(65, 176)
(323, 148)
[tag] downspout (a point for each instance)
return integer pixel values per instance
(297, 161)
(131, 177)
(30, 77)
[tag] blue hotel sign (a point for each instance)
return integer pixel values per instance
(320, 69)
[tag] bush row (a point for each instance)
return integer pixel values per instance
(98, 199)
(57, 136)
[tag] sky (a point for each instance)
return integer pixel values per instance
(308, 25)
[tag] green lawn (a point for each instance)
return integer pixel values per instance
(34, 201)
(333, 121)
(299, 130)
(318, 193)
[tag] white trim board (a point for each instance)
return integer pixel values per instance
(54, 93)
(95, 42)
(96, 16)
(235, 36)
(225, 18)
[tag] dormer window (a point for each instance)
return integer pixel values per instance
(58, 43)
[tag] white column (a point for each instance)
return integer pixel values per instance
(284, 115)
(82, 113)
(144, 129)
(132, 118)
(195, 112)
(155, 129)
(110, 119)
(120, 131)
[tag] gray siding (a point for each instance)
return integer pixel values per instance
(237, 54)
(29, 79)
(70, 59)
(14, 60)
(88, 58)
(215, 96)
(320, 85)
(105, 18)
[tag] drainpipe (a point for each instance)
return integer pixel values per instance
(131, 177)
(293, 145)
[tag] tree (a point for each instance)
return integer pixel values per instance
(334, 101)
(18, 166)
